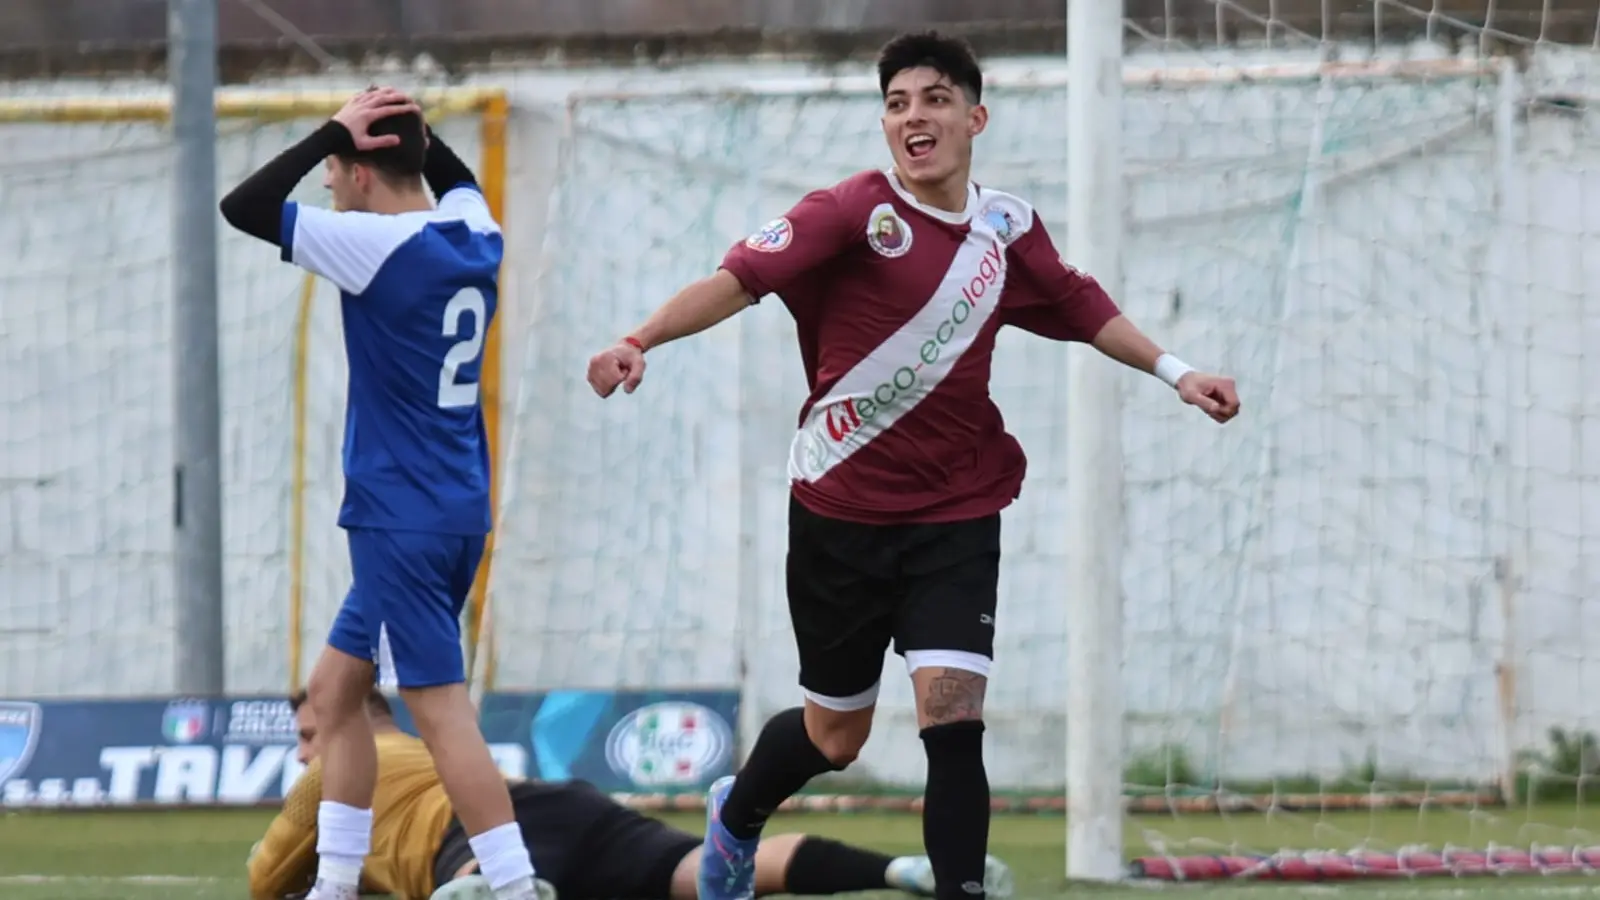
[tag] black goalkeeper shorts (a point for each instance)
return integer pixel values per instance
(584, 843)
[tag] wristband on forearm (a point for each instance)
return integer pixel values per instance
(1171, 369)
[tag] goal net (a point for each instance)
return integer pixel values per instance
(1353, 619)
(87, 368)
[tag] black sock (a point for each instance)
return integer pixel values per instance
(955, 810)
(781, 763)
(821, 866)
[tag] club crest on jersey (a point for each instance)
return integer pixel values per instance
(1000, 219)
(772, 237)
(887, 233)
(19, 735)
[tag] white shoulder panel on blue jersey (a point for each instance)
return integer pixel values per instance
(347, 248)
(1010, 216)
(468, 205)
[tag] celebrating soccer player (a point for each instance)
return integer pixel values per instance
(418, 291)
(898, 281)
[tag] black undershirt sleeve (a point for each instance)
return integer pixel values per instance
(443, 169)
(255, 207)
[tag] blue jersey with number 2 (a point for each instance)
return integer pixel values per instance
(418, 293)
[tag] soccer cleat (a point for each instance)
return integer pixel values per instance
(727, 864)
(476, 887)
(914, 875)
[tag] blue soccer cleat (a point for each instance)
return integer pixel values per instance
(727, 864)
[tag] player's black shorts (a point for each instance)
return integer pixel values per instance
(856, 589)
(584, 843)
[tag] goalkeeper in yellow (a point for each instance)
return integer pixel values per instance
(589, 847)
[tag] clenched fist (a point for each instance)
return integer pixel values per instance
(621, 365)
(1215, 395)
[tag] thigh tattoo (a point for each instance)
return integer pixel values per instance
(954, 695)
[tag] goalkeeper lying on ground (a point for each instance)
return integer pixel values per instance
(585, 845)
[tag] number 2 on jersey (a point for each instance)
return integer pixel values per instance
(451, 393)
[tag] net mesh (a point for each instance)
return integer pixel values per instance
(1225, 262)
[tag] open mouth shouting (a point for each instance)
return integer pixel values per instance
(920, 145)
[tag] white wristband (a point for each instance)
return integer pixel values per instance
(1170, 369)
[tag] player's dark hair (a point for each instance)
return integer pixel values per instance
(949, 56)
(402, 162)
(377, 703)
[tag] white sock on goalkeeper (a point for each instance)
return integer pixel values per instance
(344, 838)
(503, 859)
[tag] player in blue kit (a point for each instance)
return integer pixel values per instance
(418, 290)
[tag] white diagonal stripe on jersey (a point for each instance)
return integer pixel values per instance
(902, 371)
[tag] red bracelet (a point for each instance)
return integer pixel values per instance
(634, 342)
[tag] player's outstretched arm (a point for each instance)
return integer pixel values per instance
(1060, 302)
(691, 311)
(256, 206)
(694, 309)
(775, 258)
(1215, 395)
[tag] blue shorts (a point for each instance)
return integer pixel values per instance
(403, 611)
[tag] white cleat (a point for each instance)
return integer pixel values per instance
(476, 887)
(914, 875)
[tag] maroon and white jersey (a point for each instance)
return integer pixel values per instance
(897, 305)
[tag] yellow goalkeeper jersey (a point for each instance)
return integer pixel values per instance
(410, 813)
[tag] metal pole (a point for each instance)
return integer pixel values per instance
(1094, 514)
(197, 414)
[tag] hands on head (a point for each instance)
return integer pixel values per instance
(369, 106)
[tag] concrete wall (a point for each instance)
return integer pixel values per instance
(97, 32)
(1408, 503)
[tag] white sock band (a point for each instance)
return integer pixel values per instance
(502, 857)
(344, 838)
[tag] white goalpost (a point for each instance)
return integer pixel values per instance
(1093, 514)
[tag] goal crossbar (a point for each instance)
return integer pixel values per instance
(232, 104)
(1054, 77)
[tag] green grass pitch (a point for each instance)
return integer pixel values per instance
(200, 855)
